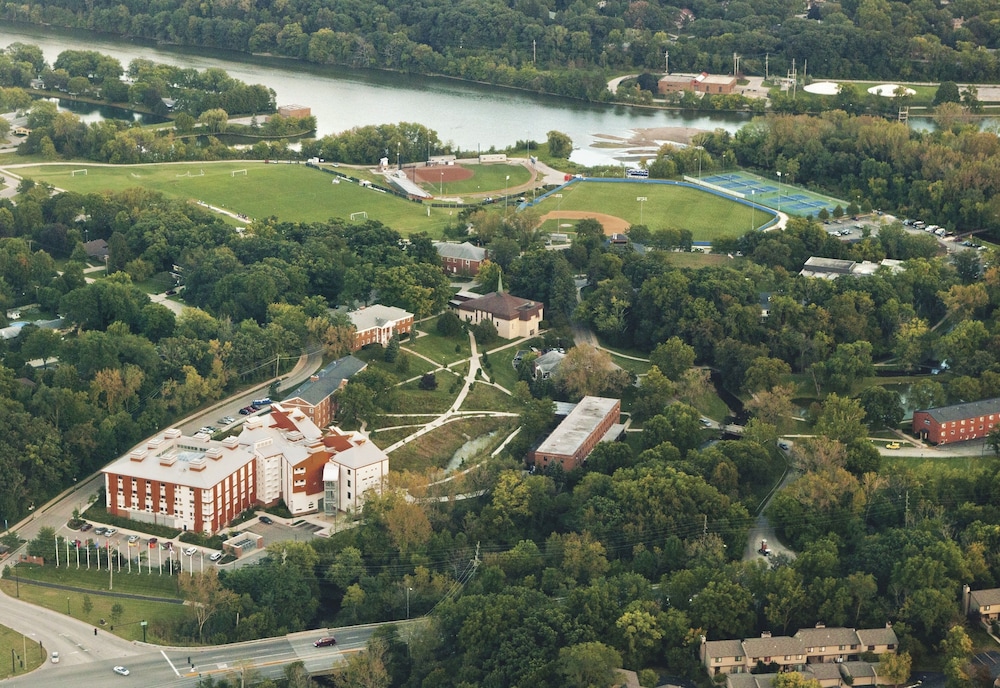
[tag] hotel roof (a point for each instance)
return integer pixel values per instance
(171, 457)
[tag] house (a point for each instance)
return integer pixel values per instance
(958, 422)
(547, 364)
(807, 650)
(460, 259)
(595, 419)
(96, 248)
(356, 468)
(377, 324)
(315, 396)
(294, 111)
(190, 483)
(513, 316)
(982, 604)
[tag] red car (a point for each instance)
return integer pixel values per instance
(325, 642)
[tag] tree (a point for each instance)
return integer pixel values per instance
(589, 371)
(428, 382)
(365, 669)
(588, 665)
(449, 324)
(654, 393)
(560, 145)
(88, 605)
(117, 611)
(208, 597)
(947, 92)
(392, 350)
(841, 419)
(793, 679)
(215, 120)
(895, 667)
(673, 357)
(883, 407)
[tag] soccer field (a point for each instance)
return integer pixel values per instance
(294, 193)
(706, 215)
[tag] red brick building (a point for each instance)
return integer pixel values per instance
(192, 483)
(594, 419)
(460, 259)
(377, 324)
(315, 396)
(957, 423)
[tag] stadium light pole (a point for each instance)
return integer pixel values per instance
(506, 187)
(700, 151)
(752, 208)
(779, 191)
(442, 182)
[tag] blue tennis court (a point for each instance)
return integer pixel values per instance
(760, 190)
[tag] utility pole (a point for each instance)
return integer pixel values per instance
(666, 62)
(533, 53)
(767, 58)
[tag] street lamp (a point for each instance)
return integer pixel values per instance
(408, 590)
(779, 191)
(752, 208)
(442, 182)
(641, 200)
(700, 150)
(506, 186)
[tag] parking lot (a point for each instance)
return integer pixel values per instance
(276, 531)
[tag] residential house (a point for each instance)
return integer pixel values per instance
(96, 248)
(982, 604)
(377, 324)
(460, 259)
(958, 422)
(315, 396)
(545, 366)
(595, 419)
(808, 649)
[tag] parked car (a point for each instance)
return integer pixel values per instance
(120, 670)
(325, 642)
(190, 551)
(85, 527)
(100, 530)
(215, 556)
(266, 520)
(893, 445)
(227, 420)
(152, 542)
(247, 410)
(133, 539)
(110, 531)
(266, 401)
(783, 446)
(167, 545)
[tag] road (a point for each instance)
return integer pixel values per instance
(91, 667)
(762, 529)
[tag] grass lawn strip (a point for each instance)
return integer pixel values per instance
(36, 655)
(152, 585)
(484, 397)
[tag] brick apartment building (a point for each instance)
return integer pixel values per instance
(956, 423)
(594, 419)
(377, 324)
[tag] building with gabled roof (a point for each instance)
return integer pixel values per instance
(981, 604)
(460, 259)
(808, 648)
(315, 396)
(958, 422)
(376, 324)
(513, 316)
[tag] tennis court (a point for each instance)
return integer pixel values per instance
(784, 197)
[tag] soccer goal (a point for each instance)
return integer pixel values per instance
(236, 172)
(76, 172)
(359, 216)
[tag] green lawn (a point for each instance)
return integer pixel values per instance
(485, 179)
(157, 614)
(151, 584)
(412, 399)
(12, 640)
(290, 192)
(437, 347)
(483, 397)
(707, 216)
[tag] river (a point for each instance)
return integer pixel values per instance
(470, 116)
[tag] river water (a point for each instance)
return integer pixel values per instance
(470, 116)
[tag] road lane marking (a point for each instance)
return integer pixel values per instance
(170, 663)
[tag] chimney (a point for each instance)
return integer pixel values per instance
(966, 599)
(765, 634)
(820, 624)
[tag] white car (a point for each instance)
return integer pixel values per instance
(55, 657)
(120, 670)
(215, 556)
(133, 539)
(190, 551)
(108, 532)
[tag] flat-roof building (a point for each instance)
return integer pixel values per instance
(594, 419)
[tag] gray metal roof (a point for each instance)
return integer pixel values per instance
(946, 414)
(328, 380)
(463, 251)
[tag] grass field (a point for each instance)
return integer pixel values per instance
(151, 584)
(35, 654)
(290, 192)
(435, 449)
(707, 216)
(487, 179)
